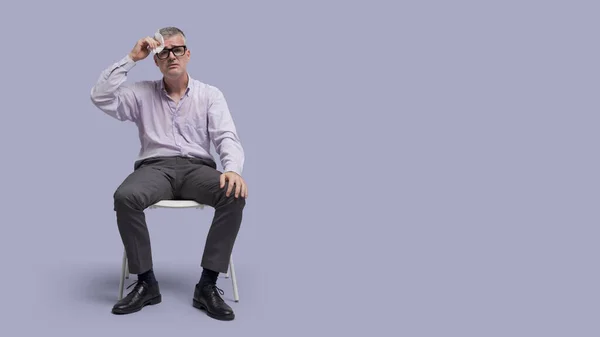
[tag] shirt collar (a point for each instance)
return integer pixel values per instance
(161, 85)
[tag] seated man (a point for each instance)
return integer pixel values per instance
(177, 117)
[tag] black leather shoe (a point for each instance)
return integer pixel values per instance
(206, 297)
(142, 294)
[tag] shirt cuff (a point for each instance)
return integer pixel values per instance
(232, 168)
(127, 63)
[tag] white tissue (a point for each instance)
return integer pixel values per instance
(160, 38)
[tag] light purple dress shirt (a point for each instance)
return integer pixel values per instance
(166, 128)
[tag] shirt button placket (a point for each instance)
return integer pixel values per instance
(178, 135)
(174, 123)
(177, 110)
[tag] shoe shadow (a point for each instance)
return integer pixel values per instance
(176, 287)
(102, 285)
(179, 284)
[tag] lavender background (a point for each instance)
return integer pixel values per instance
(424, 168)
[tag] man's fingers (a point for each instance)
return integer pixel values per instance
(230, 187)
(222, 180)
(151, 42)
(236, 182)
(244, 191)
(238, 188)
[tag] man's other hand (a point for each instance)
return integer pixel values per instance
(235, 180)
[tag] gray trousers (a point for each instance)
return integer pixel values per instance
(167, 178)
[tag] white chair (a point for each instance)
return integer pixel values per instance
(177, 204)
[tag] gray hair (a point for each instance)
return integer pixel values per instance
(167, 32)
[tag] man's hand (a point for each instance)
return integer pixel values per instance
(234, 179)
(142, 48)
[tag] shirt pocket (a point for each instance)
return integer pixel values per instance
(195, 128)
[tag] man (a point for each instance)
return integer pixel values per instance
(177, 117)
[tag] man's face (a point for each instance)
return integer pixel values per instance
(172, 60)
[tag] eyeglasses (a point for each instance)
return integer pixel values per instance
(177, 51)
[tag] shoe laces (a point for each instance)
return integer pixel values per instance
(213, 287)
(136, 282)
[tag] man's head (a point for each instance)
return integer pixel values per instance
(172, 60)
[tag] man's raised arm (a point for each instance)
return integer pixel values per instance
(110, 93)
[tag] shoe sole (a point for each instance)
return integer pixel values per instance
(201, 306)
(152, 301)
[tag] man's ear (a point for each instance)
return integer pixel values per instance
(155, 59)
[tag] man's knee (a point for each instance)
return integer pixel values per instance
(127, 197)
(231, 199)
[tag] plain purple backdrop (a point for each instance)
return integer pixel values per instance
(415, 168)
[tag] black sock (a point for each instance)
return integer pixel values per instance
(209, 276)
(148, 277)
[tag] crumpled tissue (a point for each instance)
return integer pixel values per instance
(159, 38)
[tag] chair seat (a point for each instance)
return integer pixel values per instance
(177, 204)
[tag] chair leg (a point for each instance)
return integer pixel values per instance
(236, 295)
(122, 282)
(227, 274)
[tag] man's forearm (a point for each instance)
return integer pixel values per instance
(105, 94)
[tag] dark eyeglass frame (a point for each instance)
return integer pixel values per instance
(169, 50)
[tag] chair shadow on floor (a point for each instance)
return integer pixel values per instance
(101, 285)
